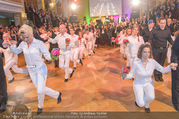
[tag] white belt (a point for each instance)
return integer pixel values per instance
(31, 66)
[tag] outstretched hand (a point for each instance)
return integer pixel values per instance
(174, 66)
(148, 43)
(6, 43)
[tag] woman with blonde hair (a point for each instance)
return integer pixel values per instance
(33, 50)
(143, 84)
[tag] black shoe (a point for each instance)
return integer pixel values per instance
(147, 110)
(81, 62)
(160, 78)
(27, 77)
(39, 111)
(128, 67)
(136, 104)
(93, 51)
(30, 81)
(11, 80)
(125, 58)
(2, 110)
(72, 73)
(83, 58)
(156, 78)
(59, 99)
(74, 67)
(176, 108)
(66, 80)
(89, 54)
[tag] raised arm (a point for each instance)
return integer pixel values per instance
(158, 67)
(53, 41)
(17, 50)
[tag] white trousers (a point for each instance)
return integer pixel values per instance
(93, 43)
(39, 79)
(89, 47)
(74, 56)
(144, 93)
(127, 53)
(64, 62)
(128, 59)
(81, 51)
(13, 64)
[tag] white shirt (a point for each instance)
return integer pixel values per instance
(74, 39)
(60, 40)
(94, 37)
(121, 39)
(143, 74)
(89, 36)
(82, 43)
(134, 45)
(43, 35)
(33, 54)
(57, 33)
(8, 55)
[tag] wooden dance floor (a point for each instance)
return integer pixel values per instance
(95, 86)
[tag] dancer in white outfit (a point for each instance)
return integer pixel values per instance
(93, 33)
(135, 41)
(143, 84)
(82, 44)
(126, 46)
(75, 48)
(33, 50)
(65, 51)
(120, 41)
(11, 61)
(89, 38)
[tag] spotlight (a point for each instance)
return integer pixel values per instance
(52, 5)
(135, 2)
(73, 6)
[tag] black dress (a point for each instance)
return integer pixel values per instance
(175, 74)
(3, 86)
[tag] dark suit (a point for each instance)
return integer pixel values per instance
(158, 39)
(119, 29)
(3, 86)
(175, 74)
(110, 30)
(145, 33)
(103, 36)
